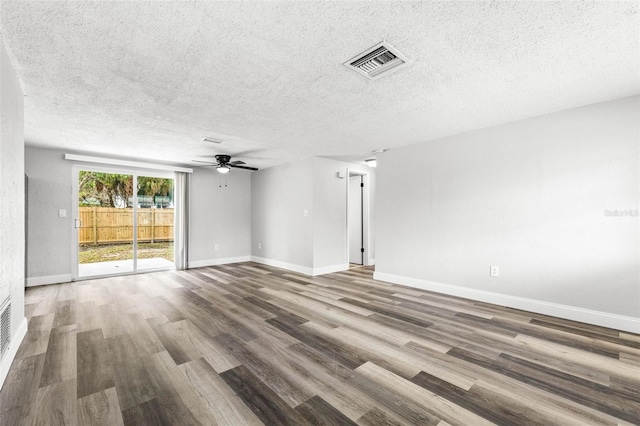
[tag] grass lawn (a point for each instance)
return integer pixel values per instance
(104, 253)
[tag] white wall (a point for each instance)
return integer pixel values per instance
(529, 197)
(220, 214)
(12, 204)
(279, 197)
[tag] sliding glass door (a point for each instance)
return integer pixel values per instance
(155, 223)
(125, 222)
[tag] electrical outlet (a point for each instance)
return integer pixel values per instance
(494, 271)
(216, 247)
(62, 213)
(259, 246)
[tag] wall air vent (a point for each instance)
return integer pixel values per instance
(377, 60)
(5, 326)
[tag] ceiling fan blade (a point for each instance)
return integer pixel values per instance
(237, 162)
(205, 162)
(241, 167)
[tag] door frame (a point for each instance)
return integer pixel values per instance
(367, 260)
(75, 170)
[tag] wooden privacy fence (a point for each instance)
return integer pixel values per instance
(108, 225)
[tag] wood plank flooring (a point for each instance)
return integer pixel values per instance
(248, 344)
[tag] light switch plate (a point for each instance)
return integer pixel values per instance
(62, 213)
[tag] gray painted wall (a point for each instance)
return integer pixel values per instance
(12, 199)
(529, 197)
(219, 215)
(279, 197)
(330, 214)
(50, 238)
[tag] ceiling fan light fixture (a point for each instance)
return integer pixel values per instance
(371, 162)
(223, 168)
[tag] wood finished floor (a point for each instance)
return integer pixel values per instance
(248, 344)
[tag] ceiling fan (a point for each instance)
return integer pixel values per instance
(224, 164)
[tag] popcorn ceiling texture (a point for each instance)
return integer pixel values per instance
(151, 79)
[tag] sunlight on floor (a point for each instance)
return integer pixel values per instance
(121, 266)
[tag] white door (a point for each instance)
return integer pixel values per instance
(356, 243)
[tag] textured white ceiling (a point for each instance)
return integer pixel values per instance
(151, 79)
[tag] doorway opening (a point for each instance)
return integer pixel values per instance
(124, 222)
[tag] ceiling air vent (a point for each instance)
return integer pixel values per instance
(376, 61)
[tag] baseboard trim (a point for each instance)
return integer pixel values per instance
(214, 262)
(312, 272)
(49, 279)
(283, 265)
(330, 269)
(603, 319)
(6, 362)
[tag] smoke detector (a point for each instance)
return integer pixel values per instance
(377, 60)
